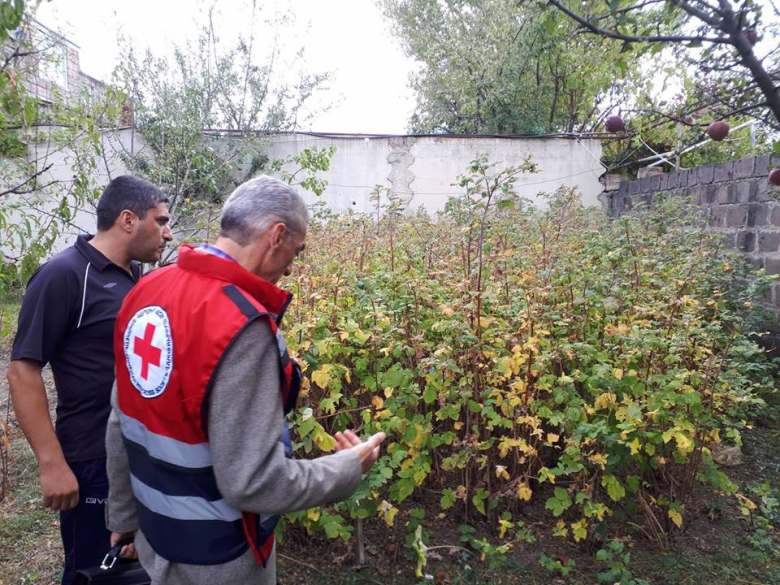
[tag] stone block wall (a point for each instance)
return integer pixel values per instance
(740, 203)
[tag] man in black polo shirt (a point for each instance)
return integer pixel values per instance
(67, 320)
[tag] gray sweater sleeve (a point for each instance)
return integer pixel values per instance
(245, 427)
(121, 509)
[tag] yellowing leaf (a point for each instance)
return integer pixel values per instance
(524, 492)
(676, 517)
(684, 443)
(324, 441)
(579, 530)
(388, 392)
(546, 474)
(599, 459)
(552, 438)
(508, 443)
(387, 511)
(377, 402)
(501, 472)
(321, 377)
(605, 400)
(420, 436)
(305, 388)
(561, 530)
(746, 505)
(313, 514)
(503, 526)
(446, 311)
(635, 446)
(458, 425)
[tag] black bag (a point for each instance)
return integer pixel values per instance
(114, 571)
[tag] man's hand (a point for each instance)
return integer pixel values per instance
(127, 551)
(59, 486)
(367, 451)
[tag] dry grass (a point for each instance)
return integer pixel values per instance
(30, 549)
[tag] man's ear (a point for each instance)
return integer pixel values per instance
(126, 220)
(278, 233)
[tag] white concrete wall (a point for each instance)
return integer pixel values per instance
(44, 153)
(424, 168)
(420, 169)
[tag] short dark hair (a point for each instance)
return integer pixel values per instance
(126, 192)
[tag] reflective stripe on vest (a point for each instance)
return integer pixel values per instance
(165, 448)
(182, 507)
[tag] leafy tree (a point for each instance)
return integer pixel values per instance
(503, 66)
(728, 32)
(205, 113)
(36, 208)
(658, 125)
(715, 39)
(207, 89)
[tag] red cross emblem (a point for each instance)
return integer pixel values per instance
(149, 354)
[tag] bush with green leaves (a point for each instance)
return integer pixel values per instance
(516, 355)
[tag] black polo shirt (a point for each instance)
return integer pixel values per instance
(67, 319)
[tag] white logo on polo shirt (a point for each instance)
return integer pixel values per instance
(148, 349)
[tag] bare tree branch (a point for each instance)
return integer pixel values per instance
(17, 190)
(635, 38)
(700, 14)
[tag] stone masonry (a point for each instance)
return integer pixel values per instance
(741, 205)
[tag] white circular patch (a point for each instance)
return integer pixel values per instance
(148, 349)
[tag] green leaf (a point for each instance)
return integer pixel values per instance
(478, 499)
(448, 499)
(559, 502)
(615, 489)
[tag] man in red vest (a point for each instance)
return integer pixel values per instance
(197, 445)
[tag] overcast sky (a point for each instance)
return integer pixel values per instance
(369, 88)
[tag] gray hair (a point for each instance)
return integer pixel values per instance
(256, 205)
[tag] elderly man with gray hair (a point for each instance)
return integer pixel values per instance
(198, 449)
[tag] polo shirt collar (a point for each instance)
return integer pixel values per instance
(97, 260)
(93, 256)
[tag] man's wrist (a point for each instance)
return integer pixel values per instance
(51, 459)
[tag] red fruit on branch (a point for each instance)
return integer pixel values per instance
(615, 124)
(718, 130)
(774, 177)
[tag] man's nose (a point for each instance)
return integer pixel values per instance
(167, 234)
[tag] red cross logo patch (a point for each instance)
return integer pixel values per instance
(148, 348)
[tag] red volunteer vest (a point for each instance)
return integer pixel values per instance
(171, 333)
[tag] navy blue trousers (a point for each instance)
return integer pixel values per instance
(83, 528)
